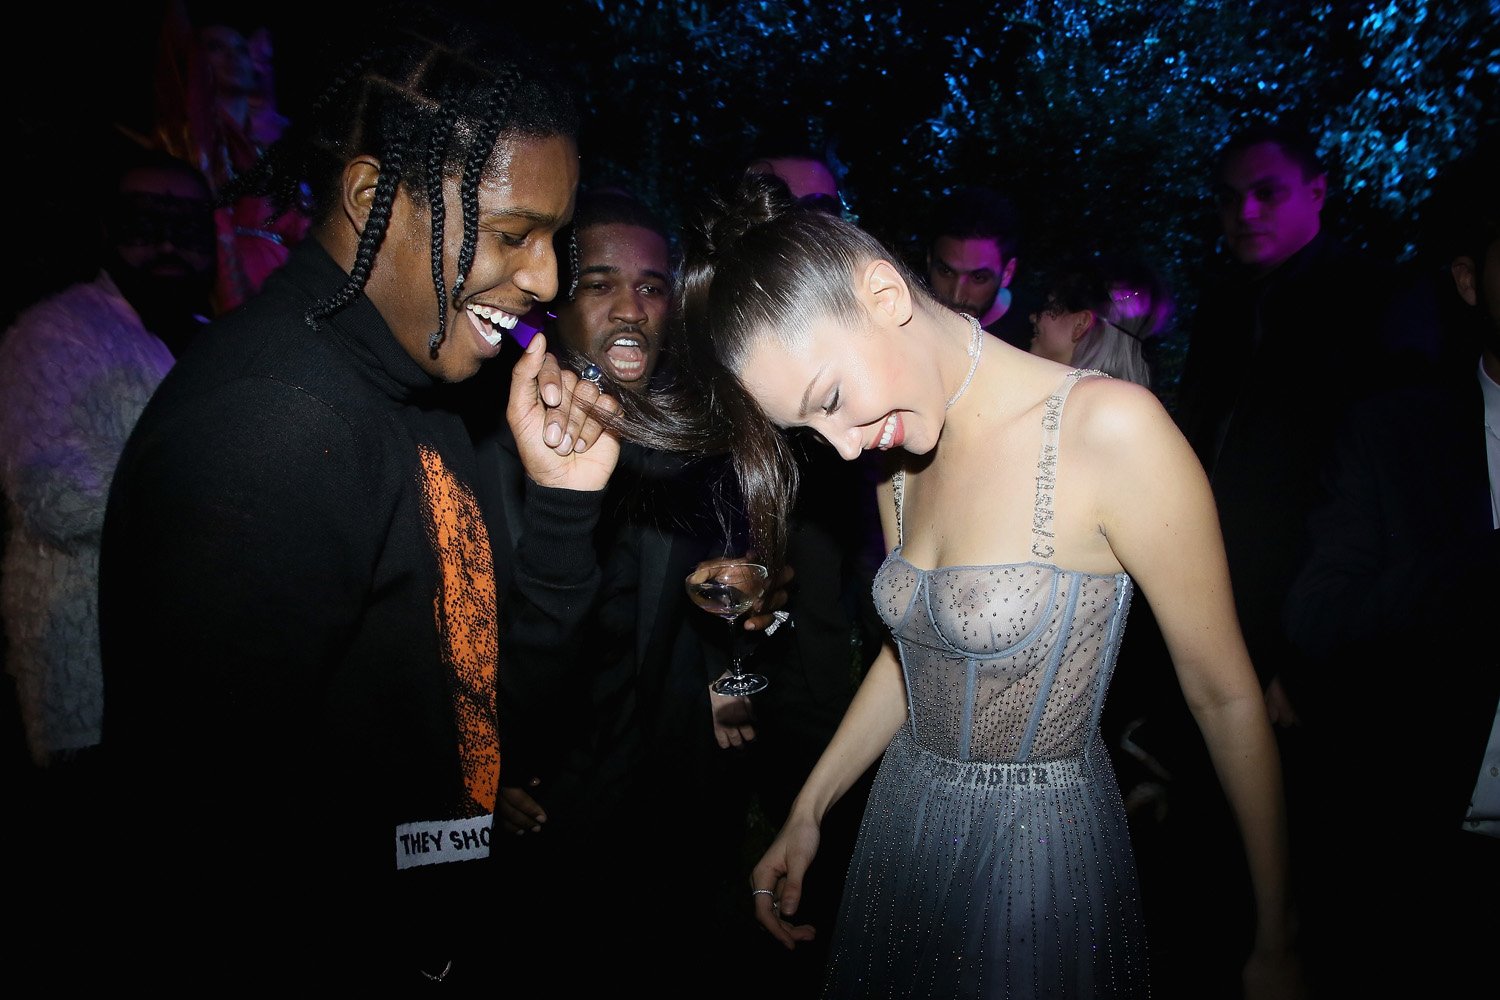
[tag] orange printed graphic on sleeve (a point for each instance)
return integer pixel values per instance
(467, 623)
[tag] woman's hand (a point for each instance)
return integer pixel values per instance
(776, 882)
(551, 412)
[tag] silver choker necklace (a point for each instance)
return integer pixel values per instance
(976, 348)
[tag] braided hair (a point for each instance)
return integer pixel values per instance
(430, 102)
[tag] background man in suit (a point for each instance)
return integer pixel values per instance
(1279, 347)
(1395, 612)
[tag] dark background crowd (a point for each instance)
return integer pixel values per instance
(1111, 109)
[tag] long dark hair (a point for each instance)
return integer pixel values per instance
(429, 97)
(755, 264)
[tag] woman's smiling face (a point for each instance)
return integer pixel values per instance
(856, 388)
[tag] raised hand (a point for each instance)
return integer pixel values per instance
(553, 415)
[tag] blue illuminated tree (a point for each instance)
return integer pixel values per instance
(1099, 117)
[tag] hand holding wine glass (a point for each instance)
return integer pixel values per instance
(729, 588)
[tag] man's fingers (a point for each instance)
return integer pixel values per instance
(549, 381)
(555, 432)
(523, 374)
(520, 812)
(592, 426)
(571, 424)
(583, 395)
(513, 820)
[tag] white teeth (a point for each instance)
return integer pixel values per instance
(492, 334)
(497, 317)
(627, 342)
(887, 433)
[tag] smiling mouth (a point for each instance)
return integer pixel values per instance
(491, 322)
(887, 432)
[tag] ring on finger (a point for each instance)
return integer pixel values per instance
(775, 903)
(592, 373)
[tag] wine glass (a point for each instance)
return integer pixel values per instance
(729, 589)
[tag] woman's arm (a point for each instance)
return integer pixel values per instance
(1158, 515)
(877, 711)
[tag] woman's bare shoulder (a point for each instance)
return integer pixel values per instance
(1106, 407)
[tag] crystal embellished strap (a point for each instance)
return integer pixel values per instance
(1046, 466)
(898, 481)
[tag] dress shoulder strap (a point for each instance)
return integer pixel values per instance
(898, 482)
(1046, 466)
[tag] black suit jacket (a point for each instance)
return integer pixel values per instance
(584, 723)
(1397, 603)
(1273, 362)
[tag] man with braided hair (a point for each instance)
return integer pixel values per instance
(302, 619)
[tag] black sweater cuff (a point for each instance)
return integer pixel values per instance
(560, 523)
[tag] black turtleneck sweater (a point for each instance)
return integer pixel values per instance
(302, 622)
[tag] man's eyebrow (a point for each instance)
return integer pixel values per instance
(1226, 187)
(802, 411)
(960, 270)
(598, 269)
(665, 279)
(530, 215)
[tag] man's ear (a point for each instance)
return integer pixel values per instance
(1085, 322)
(357, 190)
(886, 293)
(1463, 278)
(1007, 272)
(1319, 188)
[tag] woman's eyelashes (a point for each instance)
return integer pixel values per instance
(832, 404)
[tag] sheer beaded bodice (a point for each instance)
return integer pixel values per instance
(1006, 662)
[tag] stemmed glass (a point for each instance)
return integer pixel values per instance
(729, 589)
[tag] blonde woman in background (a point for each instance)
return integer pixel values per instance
(1098, 314)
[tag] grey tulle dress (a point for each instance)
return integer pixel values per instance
(994, 859)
